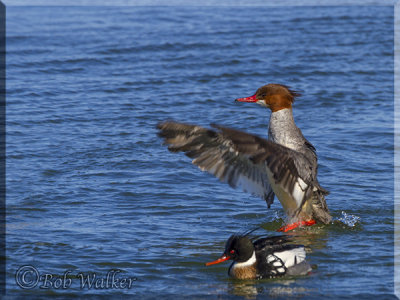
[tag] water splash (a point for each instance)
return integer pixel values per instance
(276, 216)
(349, 220)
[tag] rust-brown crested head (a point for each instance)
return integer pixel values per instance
(274, 96)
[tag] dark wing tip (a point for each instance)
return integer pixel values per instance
(164, 125)
(160, 125)
(163, 129)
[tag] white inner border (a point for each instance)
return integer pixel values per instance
(396, 151)
(199, 2)
(395, 3)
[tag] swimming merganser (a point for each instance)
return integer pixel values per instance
(264, 258)
(285, 165)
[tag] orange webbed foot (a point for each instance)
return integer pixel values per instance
(294, 225)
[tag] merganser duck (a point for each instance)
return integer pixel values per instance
(264, 258)
(285, 165)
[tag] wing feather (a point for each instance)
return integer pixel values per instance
(213, 152)
(240, 159)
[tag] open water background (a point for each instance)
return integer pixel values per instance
(90, 187)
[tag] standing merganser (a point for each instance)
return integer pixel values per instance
(264, 258)
(285, 165)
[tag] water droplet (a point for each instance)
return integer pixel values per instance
(349, 220)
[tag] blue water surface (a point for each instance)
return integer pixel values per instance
(91, 188)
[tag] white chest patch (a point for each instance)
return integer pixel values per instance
(251, 261)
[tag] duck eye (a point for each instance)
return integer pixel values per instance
(232, 251)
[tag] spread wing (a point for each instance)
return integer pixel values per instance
(228, 160)
(240, 159)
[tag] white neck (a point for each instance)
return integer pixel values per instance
(282, 129)
(282, 116)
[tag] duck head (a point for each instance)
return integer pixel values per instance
(274, 96)
(237, 248)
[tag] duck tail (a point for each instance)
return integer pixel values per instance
(320, 209)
